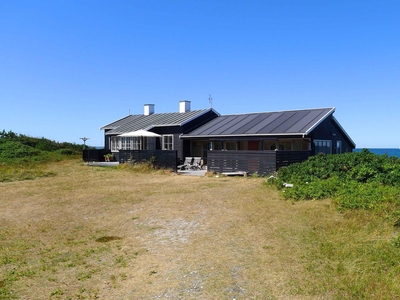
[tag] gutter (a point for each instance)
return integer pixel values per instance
(243, 135)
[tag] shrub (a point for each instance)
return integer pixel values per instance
(11, 150)
(359, 180)
(66, 152)
(16, 149)
(23, 157)
(374, 196)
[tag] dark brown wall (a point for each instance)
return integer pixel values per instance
(328, 130)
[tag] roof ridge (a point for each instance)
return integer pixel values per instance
(277, 111)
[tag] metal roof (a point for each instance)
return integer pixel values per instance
(293, 122)
(119, 122)
(146, 122)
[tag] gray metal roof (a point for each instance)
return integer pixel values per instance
(146, 122)
(293, 122)
(120, 122)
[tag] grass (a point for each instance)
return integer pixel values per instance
(108, 233)
(23, 172)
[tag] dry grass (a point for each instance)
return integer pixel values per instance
(102, 233)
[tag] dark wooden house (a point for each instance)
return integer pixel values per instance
(169, 127)
(263, 142)
(254, 142)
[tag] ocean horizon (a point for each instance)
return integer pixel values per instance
(382, 151)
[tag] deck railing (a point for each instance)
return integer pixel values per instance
(260, 162)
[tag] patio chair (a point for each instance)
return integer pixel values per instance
(186, 164)
(196, 164)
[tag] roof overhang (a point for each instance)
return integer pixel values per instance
(329, 113)
(274, 135)
(111, 126)
(344, 131)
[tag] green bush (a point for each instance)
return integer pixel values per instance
(66, 152)
(42, 144)
(17, 149)
(372, 196)
(23, 157)
(358, 180)
(11, 150)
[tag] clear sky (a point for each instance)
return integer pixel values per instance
(69, 67)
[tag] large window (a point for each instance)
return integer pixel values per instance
(136, 143)
(115, 143)
(301, 145)
(215, 145)
(149, 143)
(168, 143)
(230, 145)
(338, 147)
(323, 146)
(126, 143)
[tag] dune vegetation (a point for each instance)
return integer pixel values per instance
(359, 180)
(133, 232)
(23, 157)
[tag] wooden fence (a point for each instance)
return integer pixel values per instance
(260, 162)
(90, 155)
(161, 158)
(285, 158)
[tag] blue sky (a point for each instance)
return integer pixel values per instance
(69, 67)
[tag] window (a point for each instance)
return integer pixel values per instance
(323, 146)
(197, 148)
(149, 143)
(168, 142)
(135, 143)
(300, 145)
(115, 143)
(230, 145)
(216, 145)
(270, 145)
(338, 147)
(243, 145)
(285, 145)
(126, 143)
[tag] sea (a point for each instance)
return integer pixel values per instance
(380, 151)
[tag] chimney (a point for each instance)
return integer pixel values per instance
(184, 106)
(148, 109)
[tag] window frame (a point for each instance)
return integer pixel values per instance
(169, 144)
(323, 146)
(339, 148)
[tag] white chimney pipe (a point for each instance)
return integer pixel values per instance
(184, 106)
(148, 109)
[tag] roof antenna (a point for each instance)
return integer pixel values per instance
(210, 100)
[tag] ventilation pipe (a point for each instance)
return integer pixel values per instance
(148, 109)
(184, 106)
